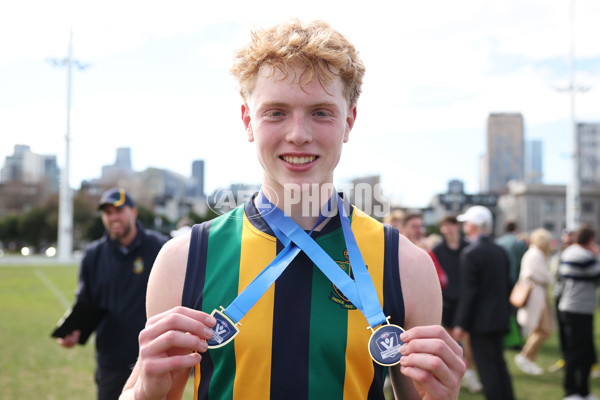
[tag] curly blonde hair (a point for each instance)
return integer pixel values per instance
(321, 51)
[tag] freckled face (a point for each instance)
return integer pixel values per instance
(298, 131)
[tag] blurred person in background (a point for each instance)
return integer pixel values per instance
(412, 227)
(514, 245)
(113, 275)
(579, 272)
(482, 308)
(448, 255)
(394, 219)
(567, 238)
(515, 248)
(536, 316)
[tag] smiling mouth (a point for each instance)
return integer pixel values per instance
(299, 160)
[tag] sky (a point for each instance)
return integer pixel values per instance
(157, 80)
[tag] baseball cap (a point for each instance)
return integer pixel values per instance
(115, 197)
(478, 215)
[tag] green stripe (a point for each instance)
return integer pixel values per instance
(223, 254)
(331, 319)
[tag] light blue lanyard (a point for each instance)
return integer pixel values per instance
(360, 291)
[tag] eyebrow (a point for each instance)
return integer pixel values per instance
(314, 105)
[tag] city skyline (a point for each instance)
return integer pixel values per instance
(158, 82)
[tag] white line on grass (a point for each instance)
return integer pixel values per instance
(63, 300)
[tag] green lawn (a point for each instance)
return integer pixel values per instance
(34, 366)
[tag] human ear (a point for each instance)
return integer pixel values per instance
(247, 121)
(350, 122)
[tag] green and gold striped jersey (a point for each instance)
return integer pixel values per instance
(303, 339)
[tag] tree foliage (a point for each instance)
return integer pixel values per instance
(37, 226)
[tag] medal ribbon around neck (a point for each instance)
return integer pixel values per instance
(228, 319)
(360, 291)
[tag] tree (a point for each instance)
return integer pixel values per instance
(9, 231)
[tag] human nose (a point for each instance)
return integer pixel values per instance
(299, 131)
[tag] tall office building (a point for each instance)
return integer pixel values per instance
(533, 161)
(25, 166)
(588, 136)
(120, 169)
(505, 149)
(198, 178)
(123, 161)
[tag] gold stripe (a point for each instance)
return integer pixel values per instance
(196, 380)
(359, 366)
(253, 344)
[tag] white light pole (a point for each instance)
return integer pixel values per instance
(573, 187)
(573, 200)
(65, 202)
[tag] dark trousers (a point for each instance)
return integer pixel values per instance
(110, 382)
(561, 329)
(579, 351)
(488, 351)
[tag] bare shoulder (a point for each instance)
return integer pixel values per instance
(420, 285)
(165, 285)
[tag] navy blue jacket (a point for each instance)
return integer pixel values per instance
(115, 278)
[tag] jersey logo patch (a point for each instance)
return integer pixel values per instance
(336, 295)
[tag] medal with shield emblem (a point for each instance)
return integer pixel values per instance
(223, 332)
(384, 344)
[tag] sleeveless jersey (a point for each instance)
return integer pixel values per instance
(303, 339)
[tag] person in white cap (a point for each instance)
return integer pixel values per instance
(483, 307)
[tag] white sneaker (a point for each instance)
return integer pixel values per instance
(471, 382)
(527, 366)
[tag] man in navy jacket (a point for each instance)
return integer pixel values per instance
(113, 275)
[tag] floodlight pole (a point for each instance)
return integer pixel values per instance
(573, 188)
(573, 199)
(65, 202)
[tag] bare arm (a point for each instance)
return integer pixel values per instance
(172, 332)
(431, 366)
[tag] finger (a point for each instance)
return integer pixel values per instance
(427, 385)
(160, 366)
(434, 356)
(197, 325)
(436, 349)
(170, 341)
(199, 316)
(431, 331)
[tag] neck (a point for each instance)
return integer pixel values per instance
(453, 242)
(302, 206)
(126, 241)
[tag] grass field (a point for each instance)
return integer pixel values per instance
(34, 366)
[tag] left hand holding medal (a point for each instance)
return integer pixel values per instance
(433, 360)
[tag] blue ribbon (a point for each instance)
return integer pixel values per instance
(360, 291)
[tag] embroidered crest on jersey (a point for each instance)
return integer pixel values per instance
(336, 294)
(138, 265)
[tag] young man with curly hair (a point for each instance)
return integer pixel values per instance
(319, 299)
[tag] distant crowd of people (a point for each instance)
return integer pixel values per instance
(477, 275)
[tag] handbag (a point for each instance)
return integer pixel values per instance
(520, 293)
